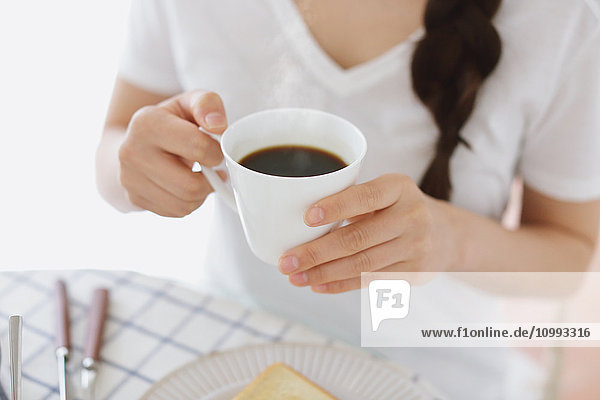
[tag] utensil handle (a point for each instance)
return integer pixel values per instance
(63, 337)
(96, 318)
(15, 329)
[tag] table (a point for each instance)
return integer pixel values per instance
(153, 327)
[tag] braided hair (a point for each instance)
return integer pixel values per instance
(460, 50)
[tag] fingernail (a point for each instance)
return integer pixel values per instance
(215, 120)
(319, 288)
(315, 215)
(299, 279)
(288, 264)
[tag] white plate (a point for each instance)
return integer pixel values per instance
(345, 373)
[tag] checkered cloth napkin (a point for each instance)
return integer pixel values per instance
(153, 327)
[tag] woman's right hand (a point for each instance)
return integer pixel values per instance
(161, 145)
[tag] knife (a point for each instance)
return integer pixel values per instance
(15, 329)
(91, 354)
(63, 337)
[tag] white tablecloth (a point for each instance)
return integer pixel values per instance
(153, 327)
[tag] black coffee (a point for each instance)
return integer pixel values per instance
(294, 161)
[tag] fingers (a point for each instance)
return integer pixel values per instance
(175, 123)
(338, 286)
(202, 108)
(342, 242)
(162, 144)
(391, 230)
(176, 178)
(380, 258)
(183, 138)
(159, 128)
(359, 217)
(368, 260)
(167, 172)
(407, 253)
(355, 283)
(357, 200)
(208, 111)
(146, 194)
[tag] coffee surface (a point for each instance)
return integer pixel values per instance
(292, 161)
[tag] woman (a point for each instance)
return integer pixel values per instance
(452, 111)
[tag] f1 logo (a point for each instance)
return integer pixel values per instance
(388, 299)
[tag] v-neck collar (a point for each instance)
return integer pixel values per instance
(343, 81)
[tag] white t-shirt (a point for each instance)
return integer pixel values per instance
(537, 116)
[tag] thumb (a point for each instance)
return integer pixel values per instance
(205, 109)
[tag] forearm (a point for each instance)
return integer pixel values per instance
(108, 170)
(482, 244)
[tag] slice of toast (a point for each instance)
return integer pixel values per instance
(280, 382)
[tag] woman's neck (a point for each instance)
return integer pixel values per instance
(352, 32)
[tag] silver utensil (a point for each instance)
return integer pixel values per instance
(15, 331)
(63, 337)
(91, 354)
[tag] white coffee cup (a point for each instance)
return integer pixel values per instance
(272, 207)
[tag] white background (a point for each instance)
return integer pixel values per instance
(58, 61)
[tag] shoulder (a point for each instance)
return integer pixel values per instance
(548, 20)
(230, 8)
(594, 7)
(542, 38)
(558, 8)
(212, 16)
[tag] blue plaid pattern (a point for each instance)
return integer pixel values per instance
(153, 327)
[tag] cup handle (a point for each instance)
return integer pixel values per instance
(221, 188)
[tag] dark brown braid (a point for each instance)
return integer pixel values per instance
(460, 49)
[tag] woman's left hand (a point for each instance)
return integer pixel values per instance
(394, 227)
